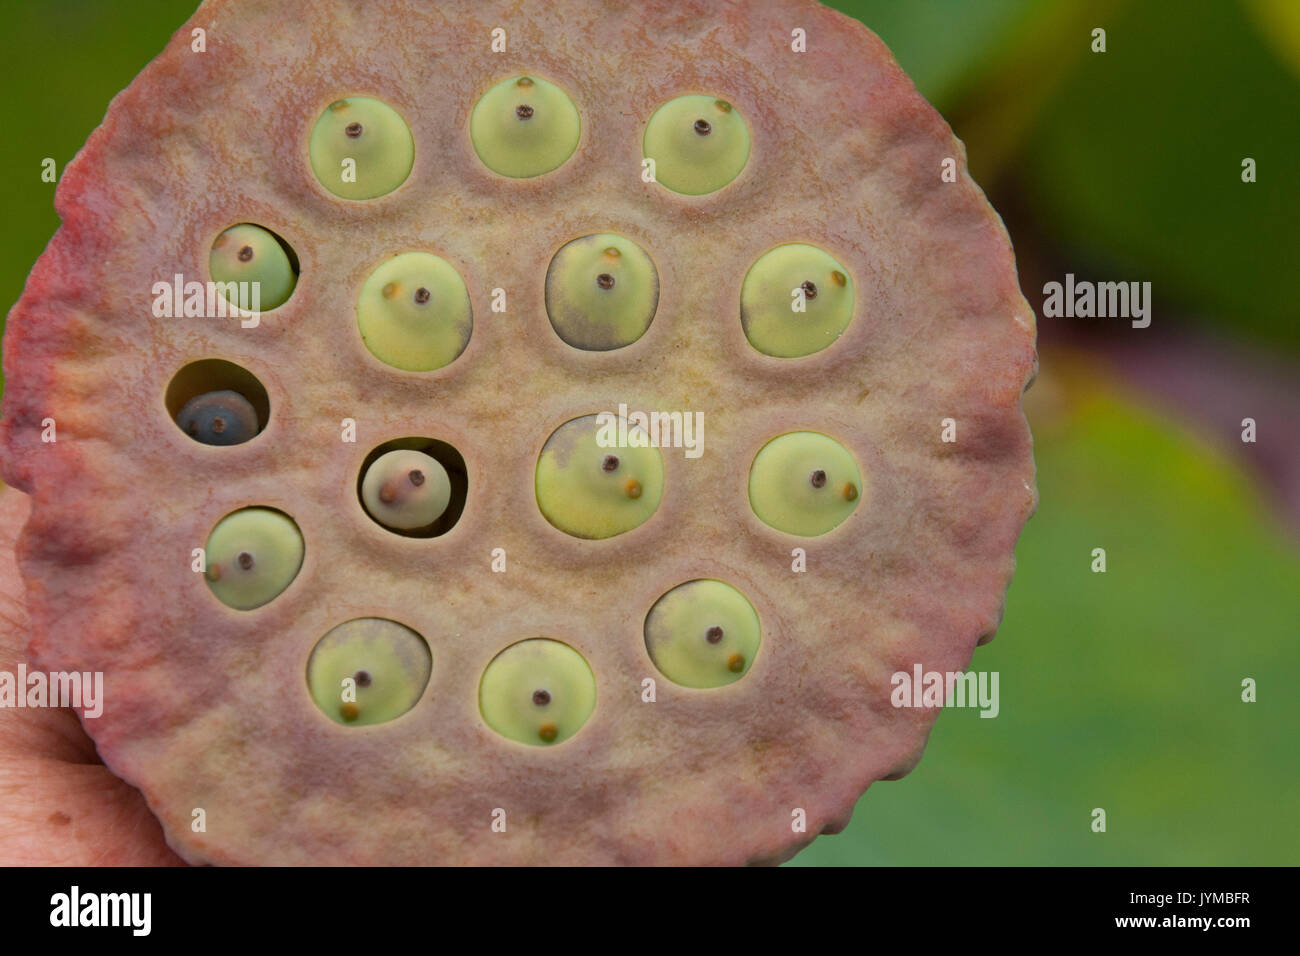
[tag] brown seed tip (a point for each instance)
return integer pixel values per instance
(524, 81)
(362, 678)
(218, 425)
(246, 254)
(541, 697)
(610, 463)
(353, 130)
(350, 711)
(387, 493)
(415, 477)
(524, 111)
(736, 663)
(817, 479)
(632, 487)
(722, 105)
(421, 295)
(389, 290)
(838, 277)
(611, 252)
(713, 634)
(548, 732)
(850, 491)
(605, 280)
(245, 560)
(702, 127)
(809, 290)
(214, 572)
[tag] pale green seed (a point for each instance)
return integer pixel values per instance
(406, 489)
(385, 664)
(784, 277)
(703, 633)
(589, 487)
(537, 692)
(524, 127)
(699, 144)
(804, 483)
(252, 555)
(601, 292)
(373, 136)
(247, 254)
(414, 312)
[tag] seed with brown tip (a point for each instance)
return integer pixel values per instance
(541, 697)
(610, 463)
(850, 491)
(415, 477)
(349, 711)
(353, 130)
(838, 277)
(548, 732)
(632, 487)
(389, 290)
(613, 252)
(524, 111)
(605, 280)
(713, 634)
(809, 289)
(421, 295)
(245, 560)
(524, 81)
(817, 479)
(723, 105)
(246, 254)
(703, 127)
(362, 678)
(736, 663)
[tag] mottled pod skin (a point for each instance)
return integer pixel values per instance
(208, 706)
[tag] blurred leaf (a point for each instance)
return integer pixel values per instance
(1136, 166)
(1118, 690)
(1279, 24)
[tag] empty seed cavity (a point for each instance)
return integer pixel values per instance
(730, 625)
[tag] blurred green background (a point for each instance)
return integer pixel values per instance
(1119, 690)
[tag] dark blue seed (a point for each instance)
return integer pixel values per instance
(218, 418)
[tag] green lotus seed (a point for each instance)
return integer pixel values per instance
(601, 292)
(585, 494)
(702, 633)
(406, 489)
(368, 671)
(361, 148)
(245, 254)
(698, 143)
(803, 483)
(524, 127)
(776, 285)
(537, 692)
(252, 555)
(414, 312)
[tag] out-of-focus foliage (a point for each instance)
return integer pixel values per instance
(1119, 690)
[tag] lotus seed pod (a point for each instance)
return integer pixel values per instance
(406, 489)
(222, 417)
(699, 144)
(589, 486)
(789, 275)
(414, 312)
(702, 634)
(844, 154)
(361, 148)
(804, 483)
(247, 254)
(601, 292)
(537, 692)
(252, 556)
(524, 127)
(368, 671)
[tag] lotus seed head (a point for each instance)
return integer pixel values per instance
(252, 555)
(601, 292)
(726, 618)
(699, 144)
(399, 325)
(524, 127)
(580, 496)
(373, 136)
(218, 418)
(787, 478)
(766, 305)
(245, 254)
(405, 489)
(389, 665)
(512, 704)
